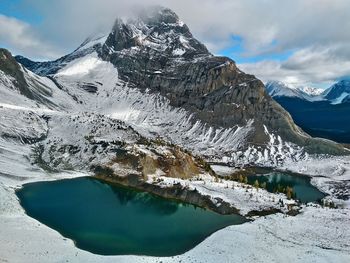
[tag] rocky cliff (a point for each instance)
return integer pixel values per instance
(155, 53)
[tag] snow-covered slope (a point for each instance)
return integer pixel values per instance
(131, 102)
(325, 115)
(21, 87)
(151, 73)
(338, 93)
(152, 115)
(191, 98)
(281, 89)
(51, 67)
(311, 91)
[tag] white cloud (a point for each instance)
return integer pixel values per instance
(316, 27)
(306, 66)
(264, 25)
(21, 38)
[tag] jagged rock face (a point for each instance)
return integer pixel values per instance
(158, 30)
(11, 68)
(158, 52)
(14, 79)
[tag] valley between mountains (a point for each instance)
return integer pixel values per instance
(148, 106)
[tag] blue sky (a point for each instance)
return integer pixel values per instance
(237, 52)
(21, 10)
(299, 42)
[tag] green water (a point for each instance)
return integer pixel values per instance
(303, 190)
(112, 220)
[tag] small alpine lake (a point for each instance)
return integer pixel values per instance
(301, 187)
(109, 219)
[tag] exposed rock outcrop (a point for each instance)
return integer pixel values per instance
(156, 52)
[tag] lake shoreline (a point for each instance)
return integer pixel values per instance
(179, 193)
(37, 242)
(104, 218)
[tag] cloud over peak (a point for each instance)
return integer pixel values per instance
(312, 32)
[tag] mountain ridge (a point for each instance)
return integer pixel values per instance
(338, 92)
(325, 115)
(335, 94)
(160, 59)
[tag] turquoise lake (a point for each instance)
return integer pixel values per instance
(302, 188)
(109, 219)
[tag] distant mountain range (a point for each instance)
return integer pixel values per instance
(148, 80)
(338, 93)
(321, 113)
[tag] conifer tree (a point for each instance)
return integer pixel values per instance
(289, 192)
(245, 180)
(256, 184)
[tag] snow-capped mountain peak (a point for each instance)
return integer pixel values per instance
(158, 29)
(311, 90)
(281, 89)
(93, 40)
(336, 94)
(339, 92)
(151, 73)
(158, 14)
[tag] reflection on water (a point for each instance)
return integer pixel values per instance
(141, 199)
(113, 220)
(303, 190)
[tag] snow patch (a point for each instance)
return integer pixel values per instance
(82, 66)
(340, 99)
